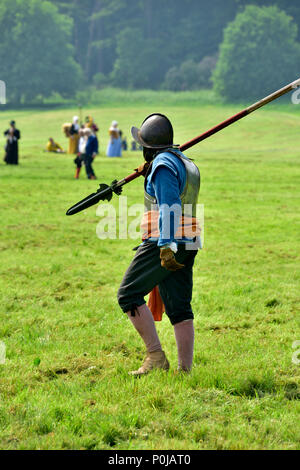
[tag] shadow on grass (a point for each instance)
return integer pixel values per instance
(258, 387)
(254, 387)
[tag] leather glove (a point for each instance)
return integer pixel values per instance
(142, 169)
(168, 260)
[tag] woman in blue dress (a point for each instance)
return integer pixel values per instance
(114, 148)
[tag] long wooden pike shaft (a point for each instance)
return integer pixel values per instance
(229, 121)
(274, 96)
(241, 114)
(95, 197)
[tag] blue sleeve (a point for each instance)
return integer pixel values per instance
(167, 193)
(88, 147)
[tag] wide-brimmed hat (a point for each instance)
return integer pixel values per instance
(156, 132)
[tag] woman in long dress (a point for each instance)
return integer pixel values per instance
(114, 148)
(11, 148)
(74, 136)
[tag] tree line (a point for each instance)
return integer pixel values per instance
(61, 46)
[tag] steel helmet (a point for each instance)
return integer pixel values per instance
(156, 132)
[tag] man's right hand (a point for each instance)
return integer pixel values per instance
(142, 169)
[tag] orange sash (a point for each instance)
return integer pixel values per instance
(156, 304)
(189, 226)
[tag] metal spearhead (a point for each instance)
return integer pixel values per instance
(104, 192)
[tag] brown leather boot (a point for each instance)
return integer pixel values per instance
(154, 360)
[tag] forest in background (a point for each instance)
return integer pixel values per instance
(110, 35)
(64, 46)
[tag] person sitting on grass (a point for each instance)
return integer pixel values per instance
(53, 146)
(91, 150)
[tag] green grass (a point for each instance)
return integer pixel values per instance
(65, 384)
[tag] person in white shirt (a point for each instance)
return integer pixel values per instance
(81, 152)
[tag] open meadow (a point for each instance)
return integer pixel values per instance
(65, 382)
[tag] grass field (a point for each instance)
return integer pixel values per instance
(64, 384)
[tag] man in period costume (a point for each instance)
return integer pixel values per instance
(91, 150)
(79, 160)
(163, 264)
(12, 135)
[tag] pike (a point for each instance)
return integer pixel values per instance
(105, 192)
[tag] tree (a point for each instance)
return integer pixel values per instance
(291, 8)
(190, 75)
(171, 32)
(136, 56)
(129, 43)
(35, 52)
(96, 26)
(259, 54)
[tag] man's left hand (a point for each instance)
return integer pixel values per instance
(168, 260)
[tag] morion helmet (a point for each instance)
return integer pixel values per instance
(156, 132)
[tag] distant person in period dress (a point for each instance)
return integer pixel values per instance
(123, 141)
(12, 135)
(124, 144)
(91, 150)
(114, 148)
(74, 136)
(79, 160)
(90, 123)
(133, 146)
(53, 146)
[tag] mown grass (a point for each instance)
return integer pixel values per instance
(65, 384)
